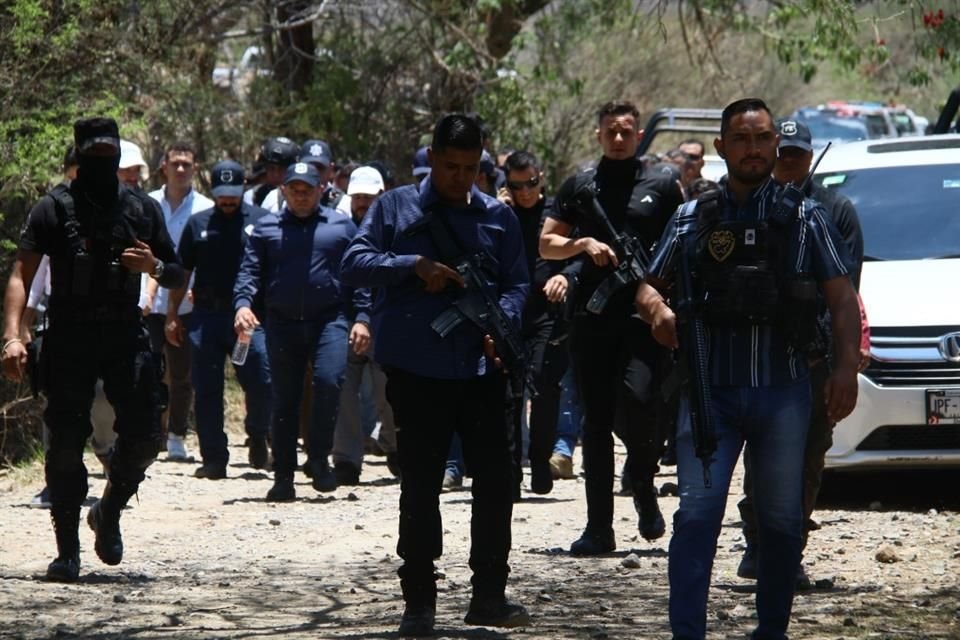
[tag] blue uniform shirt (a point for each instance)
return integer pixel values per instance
(383, 256)
(295, 263)
(212, 246)
(757, 355)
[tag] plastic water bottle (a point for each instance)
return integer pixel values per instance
(242, 347)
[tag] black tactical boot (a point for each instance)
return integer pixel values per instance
(652, 525)
(282, 490)
(66, 566)
(496, 612)
(104, 520)
(417, 620)
(593, 543)
(109, 543)
(321, 476)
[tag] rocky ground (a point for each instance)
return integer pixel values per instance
(211, 559)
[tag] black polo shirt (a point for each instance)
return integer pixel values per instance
(212, 247)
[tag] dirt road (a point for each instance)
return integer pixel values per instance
(211, 559)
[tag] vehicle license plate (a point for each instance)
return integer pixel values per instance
(943, 406)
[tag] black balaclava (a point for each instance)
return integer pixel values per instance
(97, 174)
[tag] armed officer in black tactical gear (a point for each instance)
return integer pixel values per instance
(100, 237)
(613, 354)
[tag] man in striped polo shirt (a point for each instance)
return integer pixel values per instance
(754, 268)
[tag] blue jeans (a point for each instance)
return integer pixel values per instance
(569, 423)
(773, 422)
(212, 337)
(290, 343)
(456, 463)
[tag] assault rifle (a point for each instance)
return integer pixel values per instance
(632, 256)
(476, 303)
(480, 307)
(692, 334)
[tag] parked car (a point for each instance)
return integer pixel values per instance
(836, 125)
(907, 194)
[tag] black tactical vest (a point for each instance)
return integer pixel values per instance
(89, 274)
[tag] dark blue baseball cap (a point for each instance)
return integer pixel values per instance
(226, 179)
(303, 172)
(486, 164)
(316, 151)
(794, 134)
(421, 163)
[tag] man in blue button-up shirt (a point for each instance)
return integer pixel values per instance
(293, 260)
(438, 386)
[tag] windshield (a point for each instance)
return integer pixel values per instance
(906, 213)
(825, 128)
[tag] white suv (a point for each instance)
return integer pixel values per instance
(907, 194)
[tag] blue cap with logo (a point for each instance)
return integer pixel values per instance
(421, 163)
(794, 134)
(316, 151)
(226, 179)
(302, 172)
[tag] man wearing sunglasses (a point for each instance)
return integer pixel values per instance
(614, 355)
(543, 323)
(694, 149)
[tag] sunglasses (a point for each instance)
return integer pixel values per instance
(532, 183)
(695, 156)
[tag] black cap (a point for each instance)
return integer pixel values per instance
(226, 179)
(282, 151)
(92, 131)
(794, 134)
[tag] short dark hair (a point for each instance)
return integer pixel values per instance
(703, 147)
(737, 107)
(700, 186)
(678, 155)
(180, 146)
(618, 108)
(520, 160)
(346, 169)
(457, 130)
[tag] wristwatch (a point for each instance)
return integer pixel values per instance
(157, 270)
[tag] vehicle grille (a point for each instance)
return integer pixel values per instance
(912, 437)
(910, 374)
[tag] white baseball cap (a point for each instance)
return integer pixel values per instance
(365, 180)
